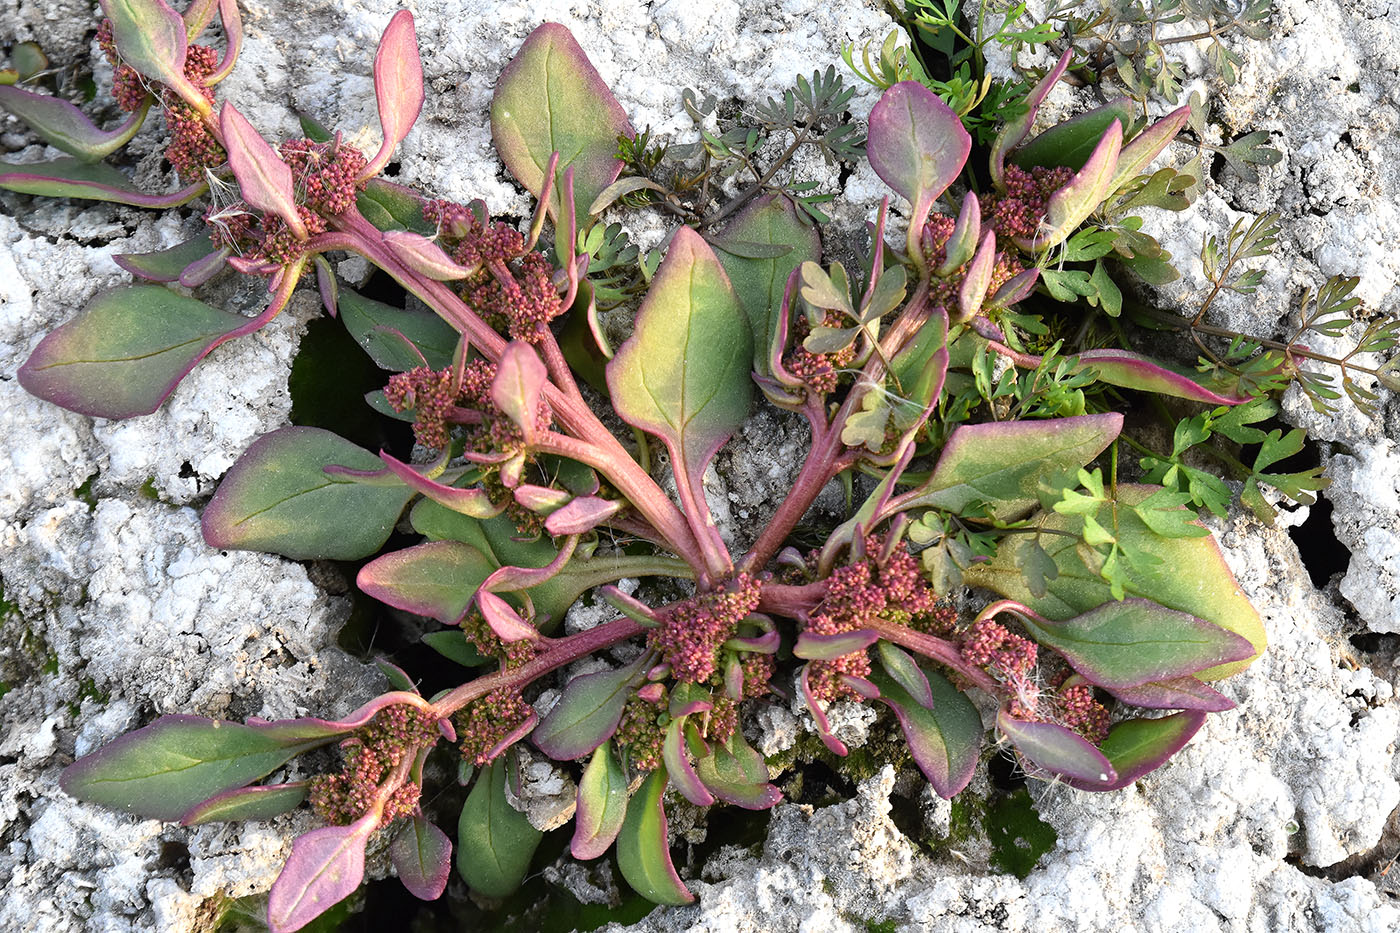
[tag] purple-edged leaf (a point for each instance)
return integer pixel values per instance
(1070, 143)
(204, 268)
(683, 375)
(551, 99)
(687, 698)
(503, 619)
(1072, 204)
(737, 774)
(437, 579)
(474, 502)
(424, 256)
(1147, 145)
(760, 282)
(232, 21)
(1135, 371)
(642, 852)
(398, 86)
(61, 124)
(310, 729)
(518, 386)
(248, 803)
(582, 514)
(977, 278)
(388, 206)
(1185, 574)
(835, 745)
(677, 759)
(916, 144)
(1015, 289)
(163, 770)
(541, 499)
(602, 804)
(150, 37)
(825, 647)
(962, 242)
(1058, 750)
(587, 713)
(906, 672)
(1134, 641)
(944, 739)
(495, 842)
(278, 497)
(166, 265)
(264, 180)
(70, 178)
(1178, 693)
(325, 867)
(1003, 463)
(422, 855)
(1138, 746)
(126, 352)
(1015, 130)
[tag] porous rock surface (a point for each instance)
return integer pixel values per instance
(1279, 816)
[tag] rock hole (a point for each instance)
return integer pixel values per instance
(175, 856)
(392, 169)
(382, 287)
(1005, 772)
(186, 470)
(1321, 552)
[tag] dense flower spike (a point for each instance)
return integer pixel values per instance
(690, 635)
(192, 147)
(128, 87)
(640, 734)
(820, 371)
(323, 174)
(483, 723)
(369, 756)
(1019, 212)
(1080, 711)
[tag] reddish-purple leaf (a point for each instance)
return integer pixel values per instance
(422, 855)
(551, 99)
(643, 855)
(437, 579)
(602, 804)
(917, 145)
(1016, 289)
(906, 672)
(233, 41)
(541, 499)
(836, 746)
(150, 37)
(474, 502)
(503, 619)
(264, 180)
(519, 385)
(425, 257)
(1125, 643)
(1135, 371)
(944, 738)
(262, 802)
(325, 867)
(588, 712)
(1147, 145)
(1072, 204)
(678, 766)
(1139, 746)
(1015, 130)
(61, 124)
(977, 278)
(1177, 693)
(69, 178)
(962, 242)
(1058, 750)
(204, 268)
(398, 86)
(166, 265)
(825, 647)
(583, 513)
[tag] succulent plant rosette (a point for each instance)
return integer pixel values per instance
(981, 460)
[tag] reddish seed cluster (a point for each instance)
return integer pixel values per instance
(723, 719)
(944, 291)
(192, 147)
(511, 654)
(324, 175)
(430, 395)
(820, 371)
(856, 595)
(128, 87)
(522, 303)
(639, 735)
(484, 722)
(690, 636)
(934, 239)
(758, 674)
(1019, 212)
(471, 241)
(394, 733)
(1082, 713)
(988, 644)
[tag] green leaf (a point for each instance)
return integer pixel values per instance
(683, 375)
(495, 842)
(437, 579)
(177, 762)
(63, 125)
(126, 352)
(602, 804)
(422, 856)
(392, 207)
(642, 852)
(165, 265)
(551, 99)
(1138, 746)
(1071, 142)
(247, 803)
(453, 644)
(279, 498)
(1185, 574)
(373, 324)
(588, 712)
(1003, 464)
(944, 740)
(760, 282)
(737, 774)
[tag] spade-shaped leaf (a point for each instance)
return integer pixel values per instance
(602, 804)
(1138, 746)
(325, 867)
(760, 282)
(150, 37)
(551, 99)
(422, 855)
(279, 498)
(165, 769)
(437, 579)
(587, 713)
(126, 352)
(1058, 750)
(683, 375)
(944, 739)
(643, 854)
(264, 180)
(916, 144)
(495, 842)
(398, 85)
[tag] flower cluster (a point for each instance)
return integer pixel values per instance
(690, 635)
(482, 724)
(857, 594)
(1018, 213)
(944, 291)
(440, 398)
(820, 371)
(128, 87)
(376, 750)
(1009, 657)
(639, 735)
(488, 643)
(1080, 711)
(324, 175)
